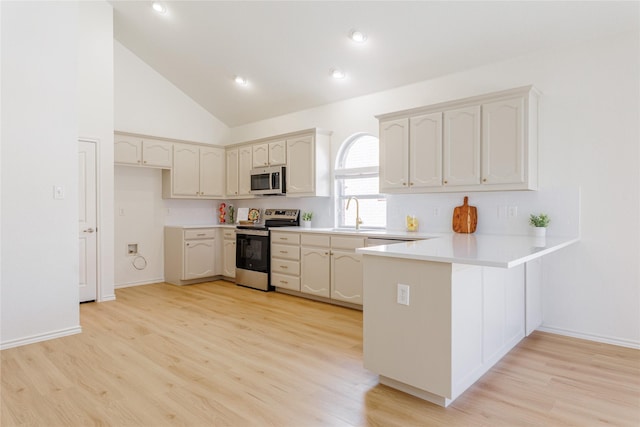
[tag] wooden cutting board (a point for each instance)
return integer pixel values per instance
(465, 218)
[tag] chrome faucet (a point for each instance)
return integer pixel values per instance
(358, 219)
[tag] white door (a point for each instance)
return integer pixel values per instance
(87, 214)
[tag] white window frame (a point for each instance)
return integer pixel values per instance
(341, 173)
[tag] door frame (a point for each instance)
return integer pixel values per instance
(98, 168)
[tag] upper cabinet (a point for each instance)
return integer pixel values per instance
(484, 143)
(198, 173)
(306, 155)
(132, 150)
(269, 154)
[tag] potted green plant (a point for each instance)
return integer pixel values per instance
(540, 223)
(306, 219)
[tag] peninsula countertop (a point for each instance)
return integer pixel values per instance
(474, 249)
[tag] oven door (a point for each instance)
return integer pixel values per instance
(252, 250)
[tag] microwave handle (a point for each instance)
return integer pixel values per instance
(274, 180)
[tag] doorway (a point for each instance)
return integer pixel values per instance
(87, 221)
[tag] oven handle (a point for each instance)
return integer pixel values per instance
(245, 231)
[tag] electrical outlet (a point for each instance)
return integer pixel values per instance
(121, 211)
(58, 192)
(403, 294)
(436, 211)
(132, 249)
(513, 211)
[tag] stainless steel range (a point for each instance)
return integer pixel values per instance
(253, 248)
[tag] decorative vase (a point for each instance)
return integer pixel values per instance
(306, 224)
(540, 231)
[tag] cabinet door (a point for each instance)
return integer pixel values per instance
(231, 172)
(462, 146)
(301, 165)
(346, 276)
(199, 259)
(211, 172)
(127, 150)
(278, 153)
(394, 154)
(244, 170)
(157, 153)
(229, 258)
(315, 278)
(425, 151)
(503, 141)
(260, 155)
(186, 170)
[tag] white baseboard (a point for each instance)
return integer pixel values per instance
(40, 337)
(139, 283)
(591, 337)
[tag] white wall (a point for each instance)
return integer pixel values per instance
(588, 156)
(147, 103)
(39, 150)
(95, 121)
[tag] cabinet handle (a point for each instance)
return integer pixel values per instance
(284, 238)
(445, 182)
(283, 266)
(138, 161)
(484, 180)
(410, 184)
(284, 252)
(201, 234)
(404, 183)
(284, 282)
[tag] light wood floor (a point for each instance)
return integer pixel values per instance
(216, 354)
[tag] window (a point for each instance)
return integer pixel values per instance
(356, 175)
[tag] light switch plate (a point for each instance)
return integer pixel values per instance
(58, 192)
(403, 294)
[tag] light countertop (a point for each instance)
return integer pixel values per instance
(202, 226)
(474, 249)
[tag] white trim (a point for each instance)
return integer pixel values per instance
(40, 337)
(139, 283)
(591, 337)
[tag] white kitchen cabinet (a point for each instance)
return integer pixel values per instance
(346, 269)
(244, 171)
(138, 151)
(189, 255)
(315, 263)
(212, 172)
(394, 154)
(231, 163)
(461, 146)
(239, 164)
(484, 143)
(269, 154)
(503, 141)
(198, 173)
(411, 153)
(285, 260)
(229, 253)
(308, 165)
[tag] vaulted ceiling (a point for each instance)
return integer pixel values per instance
(286, 50)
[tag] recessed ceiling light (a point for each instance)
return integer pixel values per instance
(338, 74)
(241, 81)
(159, 7)
(358, 36)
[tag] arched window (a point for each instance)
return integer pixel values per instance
(356, 175)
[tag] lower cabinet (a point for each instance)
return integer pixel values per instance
(285, 260)
(189, 255)
(229, 253)
(346, 276)
(315, 263)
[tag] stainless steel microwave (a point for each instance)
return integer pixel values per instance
(269, 180)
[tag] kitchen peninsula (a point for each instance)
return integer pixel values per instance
(439, 313)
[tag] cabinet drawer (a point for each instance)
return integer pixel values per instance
(339, 242)
(315, 240)
(287, 238)
(201, 233)
(285, 281)
(285, 266)
(285, 252)
(229, 233)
